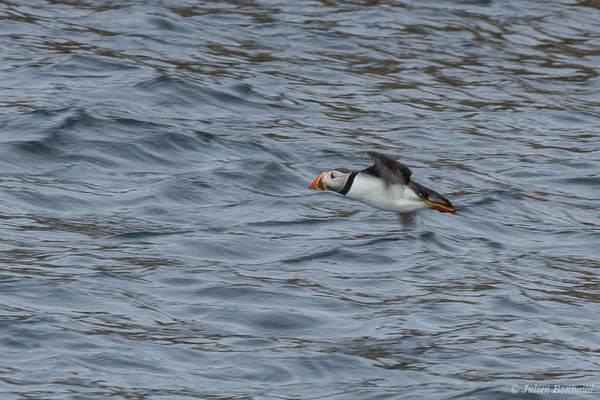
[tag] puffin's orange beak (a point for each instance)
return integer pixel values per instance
(318, 183)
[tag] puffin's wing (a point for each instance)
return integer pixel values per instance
(389, 170)
(407, 220)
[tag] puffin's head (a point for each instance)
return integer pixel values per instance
(331, 180)
(433, 199)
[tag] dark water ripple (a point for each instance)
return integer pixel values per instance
(158, 239)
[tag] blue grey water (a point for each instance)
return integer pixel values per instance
(158, 240)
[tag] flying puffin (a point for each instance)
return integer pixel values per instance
(385, 185)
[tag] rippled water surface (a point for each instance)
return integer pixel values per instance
(158, 239)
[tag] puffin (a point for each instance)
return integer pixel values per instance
(385, 185)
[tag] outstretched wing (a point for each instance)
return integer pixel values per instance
(407, 220)
(388, 169)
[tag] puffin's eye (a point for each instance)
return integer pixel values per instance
(332, 176)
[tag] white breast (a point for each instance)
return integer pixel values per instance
(373, 191)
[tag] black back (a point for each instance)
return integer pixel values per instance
(388, 169)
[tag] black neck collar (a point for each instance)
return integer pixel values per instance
(349, 182)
